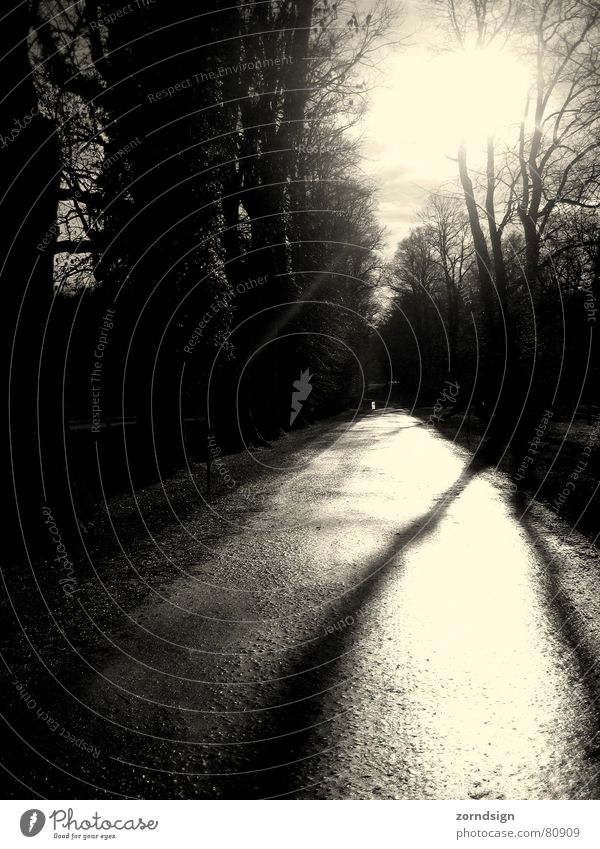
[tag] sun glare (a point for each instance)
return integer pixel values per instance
(435, 100)
(430, 102)
(479, 92)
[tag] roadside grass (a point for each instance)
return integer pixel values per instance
(558, 456)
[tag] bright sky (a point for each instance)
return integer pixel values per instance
(417, 116)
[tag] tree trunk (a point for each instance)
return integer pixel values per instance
(482, 253)
(28, 197)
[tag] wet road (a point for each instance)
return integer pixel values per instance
(375, 623)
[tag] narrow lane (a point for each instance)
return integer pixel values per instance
(381, 627)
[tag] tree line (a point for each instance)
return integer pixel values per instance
(189, 226)
(498, 285)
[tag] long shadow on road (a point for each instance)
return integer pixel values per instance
(290, 763)
(299, 731)
(568, 619)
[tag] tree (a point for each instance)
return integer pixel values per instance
(446, 230)
(417, 291)
(552, 164)
(184, 178)
(28, 198)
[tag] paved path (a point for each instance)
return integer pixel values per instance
(377, 623)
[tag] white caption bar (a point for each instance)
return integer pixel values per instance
(290, 824)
